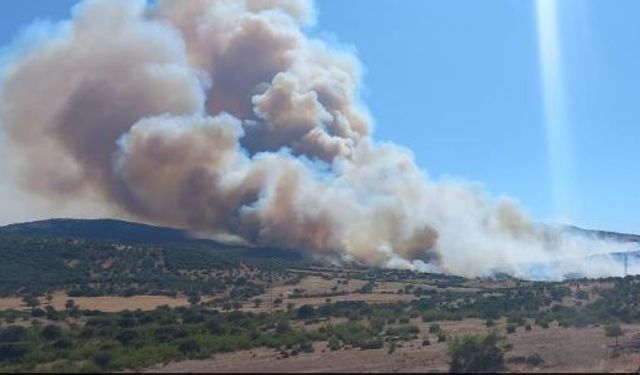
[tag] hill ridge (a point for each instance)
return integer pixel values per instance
(103, 228)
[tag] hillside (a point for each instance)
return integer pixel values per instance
(111, 257)
(136, 297)
(114, 257)
(590, 233)
(107, 229)
(605, 235)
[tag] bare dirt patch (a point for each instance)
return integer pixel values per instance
(106, 304)
(115, 304)
(8, 303)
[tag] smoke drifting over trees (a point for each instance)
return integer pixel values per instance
(225, 118)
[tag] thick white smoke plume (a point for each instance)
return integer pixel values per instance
(223, 117)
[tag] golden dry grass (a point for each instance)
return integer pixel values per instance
(7, 303)
(106, 304)
(563, 350)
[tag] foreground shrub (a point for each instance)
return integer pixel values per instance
(102, 359)
(189, 347)
(476, 354)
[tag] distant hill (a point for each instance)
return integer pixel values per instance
(626, 259)
(591, 233)
(104, 229)
(605, 235)
(130, 232)
(113, 257)
(125, 232)
(70, 253)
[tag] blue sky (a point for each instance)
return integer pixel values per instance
(459, 83)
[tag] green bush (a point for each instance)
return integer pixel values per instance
(189, 347)
(282, 327)
(613, 330)
(392, 347)
(405, 332)
(12, 352)
(127, 337)
(51, 332)
(215, 327)
(102, 359)
(169, 333)
(334, 344)
(12, 334)
(476, 354)
(63, 343)
(377, 324)
(306, 312)
(432, 315)
(306, 347)
(582, 295)
(370, 343)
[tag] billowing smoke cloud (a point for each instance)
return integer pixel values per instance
(223, 117)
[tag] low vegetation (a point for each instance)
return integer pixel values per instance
(243, 298)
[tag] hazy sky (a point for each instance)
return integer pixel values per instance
(459, 83)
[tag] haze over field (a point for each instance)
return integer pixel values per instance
(226, 118)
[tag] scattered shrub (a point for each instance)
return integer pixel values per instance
(334, 344)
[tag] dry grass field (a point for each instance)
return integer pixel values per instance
(562, 349)
(106, 304)
(7, 303)
(314, 290)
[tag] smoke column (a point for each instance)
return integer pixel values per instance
(223, 117)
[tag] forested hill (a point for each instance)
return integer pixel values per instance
(111, 257)
(106, 229)
(130, 232)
